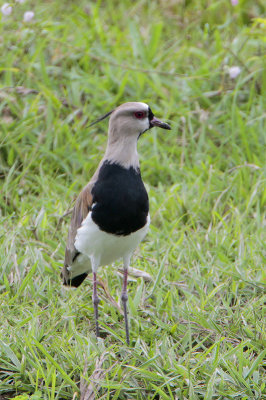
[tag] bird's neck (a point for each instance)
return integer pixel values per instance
(123, 151)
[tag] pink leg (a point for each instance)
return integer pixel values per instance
(124, 298)
(96, 301)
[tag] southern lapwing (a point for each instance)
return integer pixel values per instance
(111, 214)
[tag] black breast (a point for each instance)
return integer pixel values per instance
(120, 201)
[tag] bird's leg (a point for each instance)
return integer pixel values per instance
(96, 301)
(124, 298)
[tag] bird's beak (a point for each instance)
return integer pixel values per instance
(156, 122)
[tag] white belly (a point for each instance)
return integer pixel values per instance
(104, 248)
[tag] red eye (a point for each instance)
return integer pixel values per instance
(139, 114)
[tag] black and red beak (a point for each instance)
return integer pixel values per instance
(156, 122)
(160, 124)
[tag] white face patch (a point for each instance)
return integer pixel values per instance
(144, 125)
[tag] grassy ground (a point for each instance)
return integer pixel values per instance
(197, 326)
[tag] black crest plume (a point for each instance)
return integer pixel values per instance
(101, 118)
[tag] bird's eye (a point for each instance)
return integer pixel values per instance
(139, 114)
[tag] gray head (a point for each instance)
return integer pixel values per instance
(127, 123)
(133, 118)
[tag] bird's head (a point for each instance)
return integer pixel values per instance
(127, 123)
(133, 119)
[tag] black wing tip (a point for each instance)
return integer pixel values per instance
(75, 282)
(101, 118)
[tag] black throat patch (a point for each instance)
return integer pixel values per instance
(150, 116)
(120, 201)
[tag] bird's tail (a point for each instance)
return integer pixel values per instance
(72, 281)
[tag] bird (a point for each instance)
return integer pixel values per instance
(111, 214)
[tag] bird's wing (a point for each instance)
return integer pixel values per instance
(80, 212)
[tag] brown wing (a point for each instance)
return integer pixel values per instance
(80, 212)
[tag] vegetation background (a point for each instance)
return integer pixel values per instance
(196, 320)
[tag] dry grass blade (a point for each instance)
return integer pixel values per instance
(104, 286)
(61, 218)
(88, 390)
(138, 273)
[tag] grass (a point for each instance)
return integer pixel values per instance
(197, 328)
